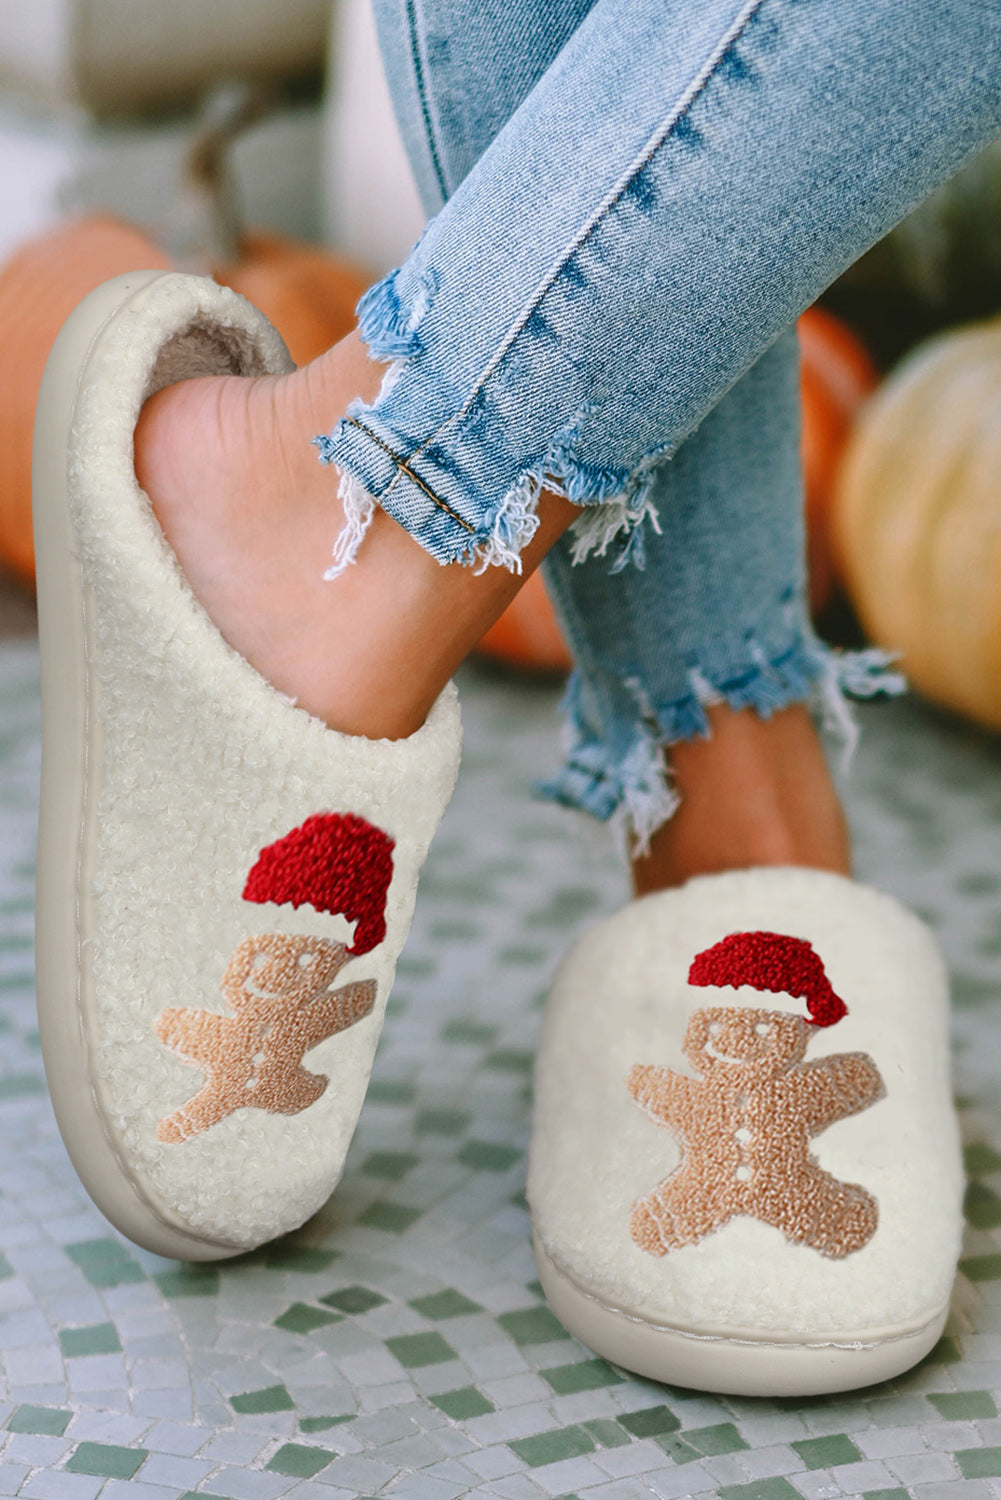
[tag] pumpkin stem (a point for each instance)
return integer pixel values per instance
(204, 227)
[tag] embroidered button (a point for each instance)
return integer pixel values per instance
(277, 986)
(750, 1066)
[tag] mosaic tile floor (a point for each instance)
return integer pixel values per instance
(398, 1344)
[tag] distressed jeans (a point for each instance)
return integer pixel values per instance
(632, 202)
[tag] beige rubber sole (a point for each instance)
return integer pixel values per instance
(733, 1363)
(71, 761)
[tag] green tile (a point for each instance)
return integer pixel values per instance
(680, 1452)
(415, 967)
(981, 1267)
(299, 1461)
(447, 1304)
(271, 1398)
(979, 1463)
(441, 1121)
(536, 1289)
(897, 1494)
(532, 1325)
(99, 1338)
(6, 1269)
(390, 1091)
(488, 1156)
(106, 1459)
(564, 908)
(980, 1159)
(553, 1447)
(982, 1206)
(474, 1032)
(320, 1424)
(354, 1299)
(24, 981)
(417, 1349)
(189, 1281)
(454, 930)
(760, 1489)
(651, 1421)
(104, 1262)
(16, 904)
(463, 1404)
(393, 1217)
(522, 953)
(964, 1406)
(299, 1258)
(391, 1165)
(302, 1318)
(13, 942)
(945, 1352)
(51, 1420)
(721, 1437)
(606, 1433)
(17, 1084)
(827, 1452)
(510, 1060)
(586, 1375)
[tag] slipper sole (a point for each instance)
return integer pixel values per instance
(168, 767)
(735, 1362)
(730, 1192)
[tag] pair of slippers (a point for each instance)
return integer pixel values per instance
(745, 1171)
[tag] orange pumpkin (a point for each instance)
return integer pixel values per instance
(40, 285)
(528, 635)
(917, 519)
(836, 376)
(307, 293)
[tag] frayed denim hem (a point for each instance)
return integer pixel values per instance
(616, 501)
(633, 790)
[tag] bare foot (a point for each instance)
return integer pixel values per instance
(758, 792)
(252, 515)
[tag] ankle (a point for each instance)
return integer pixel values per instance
(758, 792)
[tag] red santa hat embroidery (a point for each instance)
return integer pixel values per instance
(336, 862)
(771, 961)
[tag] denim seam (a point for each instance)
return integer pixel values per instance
(697, 87)
(515, 521)
(415, 55)
(402, 468)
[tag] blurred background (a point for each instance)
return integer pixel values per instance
(398, 1344)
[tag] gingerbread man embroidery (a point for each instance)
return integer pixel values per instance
(277, 986)
(746, 1121)
(278, 990)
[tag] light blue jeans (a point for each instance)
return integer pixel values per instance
(633, 201)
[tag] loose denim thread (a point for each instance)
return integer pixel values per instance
(616, 501)
(634, 792)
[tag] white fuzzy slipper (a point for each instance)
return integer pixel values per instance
(745, 1174)
(224, 884)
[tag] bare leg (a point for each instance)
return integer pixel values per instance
(252, 516)
(757, 793)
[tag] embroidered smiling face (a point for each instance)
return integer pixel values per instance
(279, 970)
(765, 1042)
(746, 1120)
